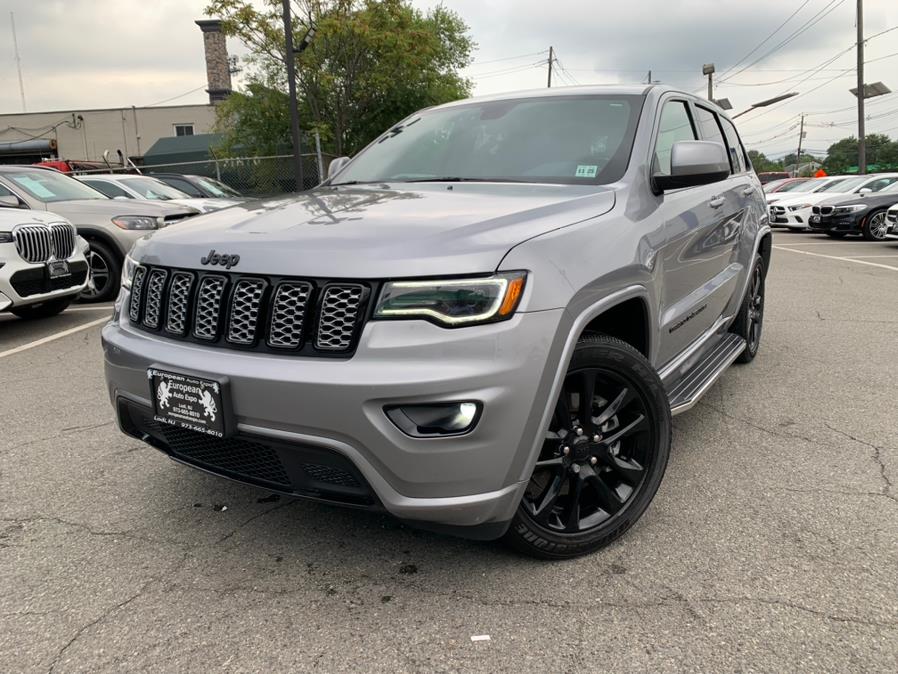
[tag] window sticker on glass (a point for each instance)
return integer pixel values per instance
(34, 186)
(586, 171)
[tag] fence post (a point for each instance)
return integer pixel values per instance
(318, 153)
(218, 170)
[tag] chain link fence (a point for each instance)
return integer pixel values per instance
(251, 176)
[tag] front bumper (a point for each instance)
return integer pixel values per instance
(849, 223)
(781, 216)
(297, 406)
(24, 283)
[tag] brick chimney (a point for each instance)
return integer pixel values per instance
(218, 71)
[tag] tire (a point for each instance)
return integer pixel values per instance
(614, 481)
(105, 273)
(875, 227)
(750, 319)
(836, 235)
(44, 309)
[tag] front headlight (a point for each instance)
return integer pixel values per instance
(851, 208)
(6, 237)
(129, 266)
(136, 221)
(453, 302)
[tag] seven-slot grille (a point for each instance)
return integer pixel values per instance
(272, 314)
(41, 243)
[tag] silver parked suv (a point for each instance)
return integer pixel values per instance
(481, 324)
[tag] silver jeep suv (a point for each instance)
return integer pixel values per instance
(481, 324)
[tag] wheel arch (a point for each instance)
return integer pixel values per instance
(765, 249)
(628, 321)
(96, 234)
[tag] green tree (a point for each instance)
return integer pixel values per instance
(762, 164)
(371, 63)
(842, 156)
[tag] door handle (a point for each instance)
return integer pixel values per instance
(748, 191)
(717, 202)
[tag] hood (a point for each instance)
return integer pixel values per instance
(10, 217)
(870, 200)
(92, 211)
(206, 205)
(813, 198)
(380, 231)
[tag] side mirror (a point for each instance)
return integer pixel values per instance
(865, 190)
(10, 201)
(694, 162)
(336, 166)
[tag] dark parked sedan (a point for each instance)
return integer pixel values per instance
(863, 214)
(198, 186)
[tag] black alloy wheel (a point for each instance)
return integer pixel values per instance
(750, 320)
(602, 457)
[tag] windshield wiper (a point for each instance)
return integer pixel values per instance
(459, 179)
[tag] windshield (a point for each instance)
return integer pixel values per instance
(844, 185)
(150, 188)
(560, 139)
(49, 186)
(217, 188)
(797, 186)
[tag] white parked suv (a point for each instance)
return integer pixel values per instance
(130, 186)
(43, 263)
(795, 212)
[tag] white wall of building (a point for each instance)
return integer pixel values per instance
(131, 130)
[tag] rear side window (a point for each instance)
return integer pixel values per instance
(707, 122)
(676, 125)
(880, 184)
(737, 157)
(108, 189)
(182, 185)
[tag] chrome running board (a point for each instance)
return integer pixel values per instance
(699, 379)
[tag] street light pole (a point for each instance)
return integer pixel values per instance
(861, 139)
(291, 87)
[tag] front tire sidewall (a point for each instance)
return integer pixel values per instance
(528, 536)
(114, 267)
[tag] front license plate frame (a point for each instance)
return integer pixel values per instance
(187, 400)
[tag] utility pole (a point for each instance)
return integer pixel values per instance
(861, 139)
(708, 69)
(291, 85)
(551, 59)
(798, 156)
(15, 45)
(648, 79)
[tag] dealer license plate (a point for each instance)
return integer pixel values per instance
(188, 402)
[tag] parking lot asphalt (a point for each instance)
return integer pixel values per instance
(772, 544)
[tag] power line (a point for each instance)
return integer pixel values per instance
(509, 58)
(819, 16)
(766, 39)
(186, 93)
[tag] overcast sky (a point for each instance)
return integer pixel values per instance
(105, 53)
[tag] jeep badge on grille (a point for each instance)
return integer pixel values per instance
(226, 261)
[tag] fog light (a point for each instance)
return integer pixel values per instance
(435, 419)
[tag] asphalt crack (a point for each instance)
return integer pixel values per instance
(877, 458)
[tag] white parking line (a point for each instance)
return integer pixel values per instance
(868, 257)
(835, 257)
(52, 338)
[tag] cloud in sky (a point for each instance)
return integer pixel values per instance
(83, 53)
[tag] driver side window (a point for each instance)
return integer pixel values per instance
(676, 125)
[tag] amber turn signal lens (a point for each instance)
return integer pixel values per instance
(512, 296)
